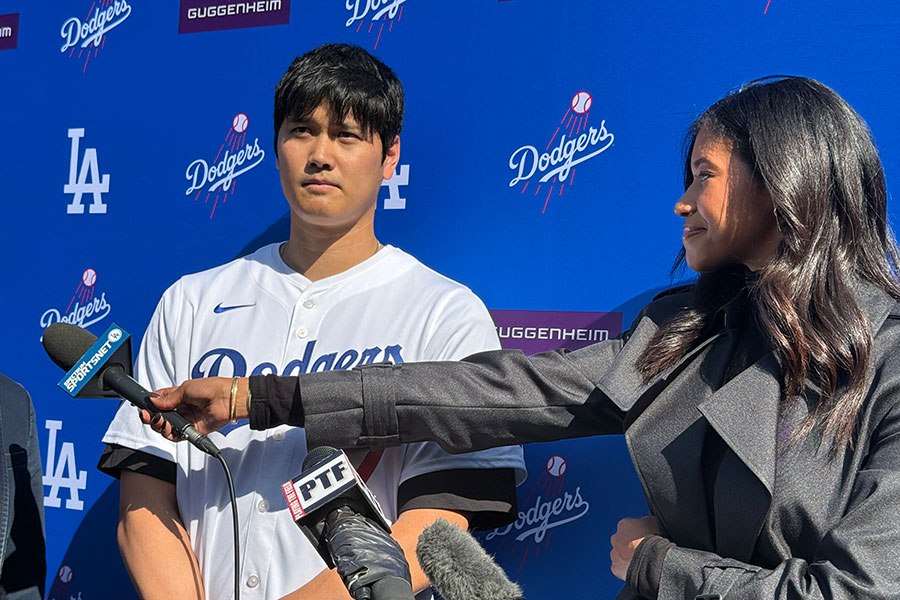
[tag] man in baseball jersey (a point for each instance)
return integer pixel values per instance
(331, 297)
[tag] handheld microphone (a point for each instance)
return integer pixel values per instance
(459, 568)
(344, 522)
(94, 367)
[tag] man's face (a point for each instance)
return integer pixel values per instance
(331, 172)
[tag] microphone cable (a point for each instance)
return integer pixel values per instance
(234, 517)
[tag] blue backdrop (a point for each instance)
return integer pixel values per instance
(109, 108)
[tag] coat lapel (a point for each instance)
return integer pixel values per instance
(665, 438)
(744, 412)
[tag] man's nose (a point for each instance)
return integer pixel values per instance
(320, 155)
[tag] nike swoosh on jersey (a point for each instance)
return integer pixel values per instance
(219, 309)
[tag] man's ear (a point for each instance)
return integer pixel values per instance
(391, 158)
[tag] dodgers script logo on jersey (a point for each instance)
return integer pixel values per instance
(88, 37)
(218, 15)
(217, 177)
(548, 505)
(377, 13)
(231, 362)
(85, 307)
(9, 31)
(577, 143)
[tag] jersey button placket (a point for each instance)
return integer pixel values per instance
(252, 581)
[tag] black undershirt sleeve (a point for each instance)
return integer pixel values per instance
(116, 458)
(489, 495)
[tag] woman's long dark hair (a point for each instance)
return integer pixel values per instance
(814, 154)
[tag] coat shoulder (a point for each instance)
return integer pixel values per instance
(663, 307)
(668, 303)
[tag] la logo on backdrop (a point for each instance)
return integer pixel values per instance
(555, 500)
(371, 16)
(573, 142)
(87, 37)
(216, 179)
(85, 308)
(79, 184)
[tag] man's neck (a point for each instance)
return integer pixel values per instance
(319, 252)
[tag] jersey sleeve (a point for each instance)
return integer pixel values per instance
(480, 482)
(154, 368)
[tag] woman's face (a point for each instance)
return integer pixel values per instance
(728, 215)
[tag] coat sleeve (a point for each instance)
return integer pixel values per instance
(857, 558)
(489, 399)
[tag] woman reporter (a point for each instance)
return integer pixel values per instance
(761, 406)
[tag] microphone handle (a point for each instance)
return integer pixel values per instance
(115, 378)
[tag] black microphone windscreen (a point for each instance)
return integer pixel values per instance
(318, 455)
(65, 344)
(459, 568)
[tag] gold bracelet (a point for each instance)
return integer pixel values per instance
(249, 398)
(233, 405)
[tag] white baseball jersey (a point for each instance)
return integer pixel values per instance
(256, 316)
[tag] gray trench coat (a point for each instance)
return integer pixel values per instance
(791, 521)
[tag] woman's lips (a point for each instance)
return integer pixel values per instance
(692, 231)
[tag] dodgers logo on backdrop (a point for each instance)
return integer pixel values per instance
(554, 168)
(85, 307)
(79, 185)
(548, 505)
(217, 177)
(88, 37)
(62, 472)
(377, 13)
(9, 31)
(218, 15)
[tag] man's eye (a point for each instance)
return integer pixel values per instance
(348, 134)
(300, 129)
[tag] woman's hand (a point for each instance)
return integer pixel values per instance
(206, 403)
(630, 533)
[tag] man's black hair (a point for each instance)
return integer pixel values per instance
(348, 80)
